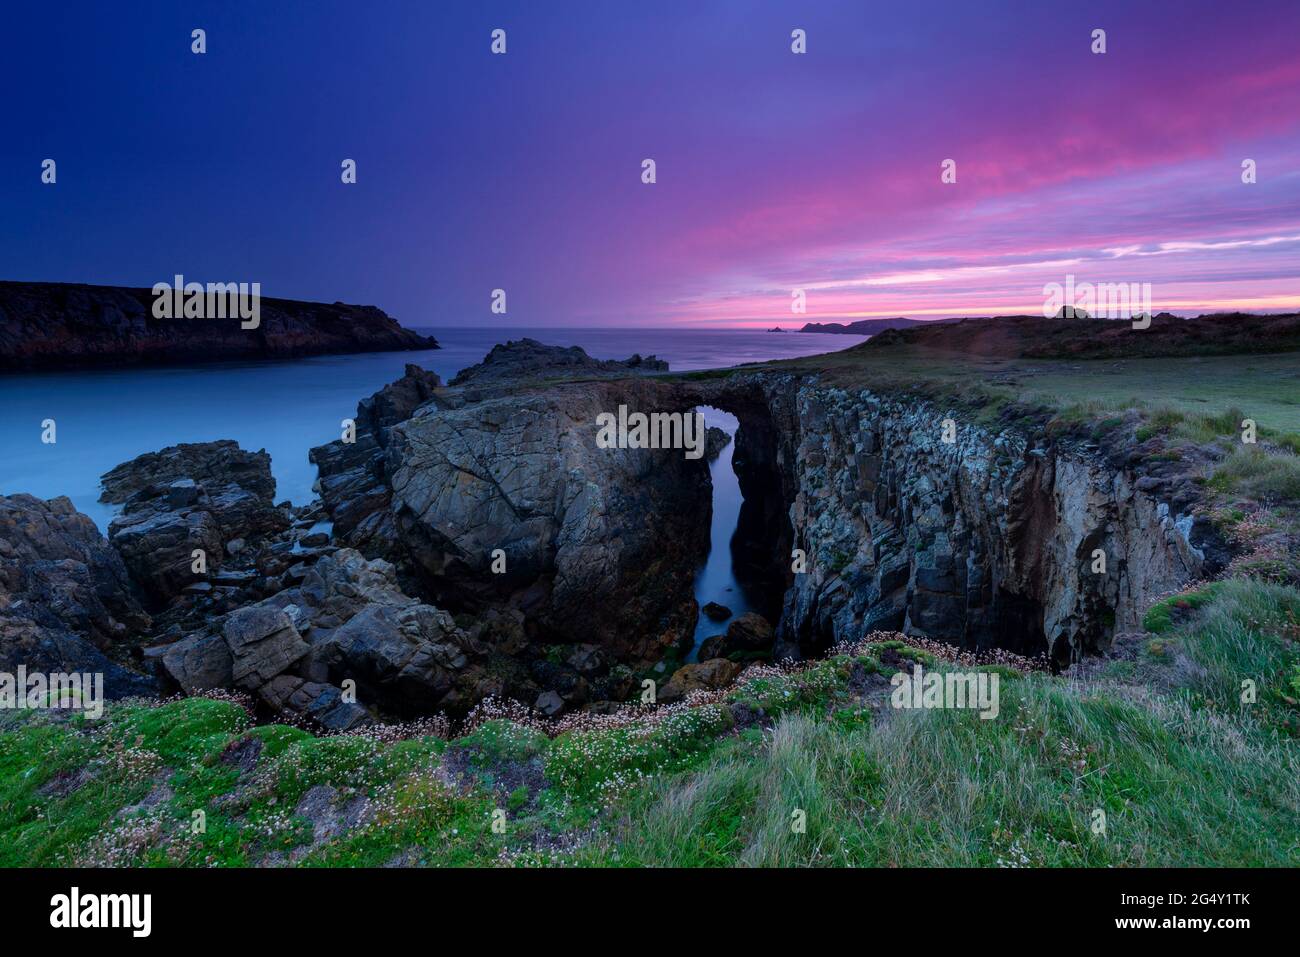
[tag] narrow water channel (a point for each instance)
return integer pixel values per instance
(716, 580)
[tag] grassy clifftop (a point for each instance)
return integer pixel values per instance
(1158, 741)
(1171, 401)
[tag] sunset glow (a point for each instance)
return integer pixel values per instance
(775, 172)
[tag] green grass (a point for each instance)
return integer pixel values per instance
(1185, 767)
(1207, 390)
(1186, 777)
(1159, 618)
(1251, 472)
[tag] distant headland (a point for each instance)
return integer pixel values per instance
(51, 325)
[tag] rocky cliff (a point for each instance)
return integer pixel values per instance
(48, 325)
(495, 501)
(484, 543)
(993, 539)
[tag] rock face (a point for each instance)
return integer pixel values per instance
(352, 481)
(497, 499)
(65, 325)
(65, 595)
(715, 441)
(185, 498)
(987, 541)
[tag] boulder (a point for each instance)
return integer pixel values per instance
(750, 632)
(705, 676)
(409, 656)
(320, 702)
(263, 643)
(716, 612)
(549, 703)
(714, 646)
(200, 663)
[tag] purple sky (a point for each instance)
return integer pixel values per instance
(776, 171)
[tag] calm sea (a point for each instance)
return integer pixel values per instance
(104, 418)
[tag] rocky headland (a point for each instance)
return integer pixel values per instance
(50, 325)
(474, 542)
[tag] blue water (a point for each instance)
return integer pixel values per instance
(715, 581)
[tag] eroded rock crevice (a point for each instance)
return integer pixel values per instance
(991, 540)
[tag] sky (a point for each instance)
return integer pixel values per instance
(775, 171)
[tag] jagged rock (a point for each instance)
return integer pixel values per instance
(522, 474)
(263, 643)
(715, 440)
(42, 643)
(492, 468)
(338, 586)
(167, 515)
(53, 557)
(65, 595)
(217, 463)
(707, 675)
(524, 359)
(352, 474)
(200, 663)
(984, 542)
(397, 401)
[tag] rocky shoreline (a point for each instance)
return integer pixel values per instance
(59, 326)
(474, 542)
